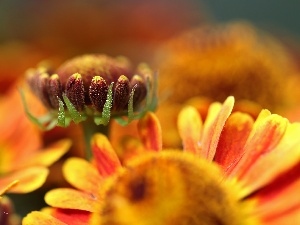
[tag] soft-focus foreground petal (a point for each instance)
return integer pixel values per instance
(213, 126)
(39, 218)
(104, 155)
(67, 198)
(232, 140)
(150, 132)
(280, 201)
(82, 175)
(28, 179)
(264, 137)
(282, 158)
(190, 127)
(47, 156)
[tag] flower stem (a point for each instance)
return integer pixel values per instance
(89, 129)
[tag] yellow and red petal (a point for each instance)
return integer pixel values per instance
(25, 180)
(232, 140)
(105, 157)
(213, 126)
(47, 156)
(67, 198)
(280, 200)
(150, 132)
(190, 128)
(40, 218)
(281, 159)
(264, 137)
(82, 175)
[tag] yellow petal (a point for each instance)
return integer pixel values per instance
(213, 126)
(150, 132)
(104, 155)
(67, 198)
(28, 179)
(39, 218)
(82, 175)
(190, 127)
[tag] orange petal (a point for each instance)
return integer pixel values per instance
(47, 156)
(190, 127)
(263, 139)
(283, 157)
(82, 175)
(232, 140)
(104, 155)
(281, 197)
(28, 179)
(213, 126)
(67, 198)
(39, 218)
(150, 132)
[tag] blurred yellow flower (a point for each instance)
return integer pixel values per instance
(256, 181)
(219, 60)
(237, 59)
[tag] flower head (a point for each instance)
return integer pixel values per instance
(92, 85)
(176, 187)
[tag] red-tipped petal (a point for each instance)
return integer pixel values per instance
(82, 175)
(106, 159)
(150, 132)
(190, 127)
(67, 198)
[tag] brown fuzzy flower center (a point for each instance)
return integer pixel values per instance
(171, 188)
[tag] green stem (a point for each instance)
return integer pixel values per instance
(89, 129)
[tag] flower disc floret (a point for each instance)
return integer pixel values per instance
(94, 84)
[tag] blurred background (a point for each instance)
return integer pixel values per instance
(59, 29)
(32, 31)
